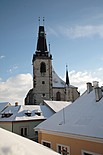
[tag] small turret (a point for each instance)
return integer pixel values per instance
(67, 76)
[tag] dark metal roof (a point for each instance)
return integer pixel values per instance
(41, 44)
(41, 51)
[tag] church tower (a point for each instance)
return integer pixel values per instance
(47, 85)
(42, 70)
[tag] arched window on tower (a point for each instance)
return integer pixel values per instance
(58, 96)
(42, 67)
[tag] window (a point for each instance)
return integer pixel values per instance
(62, 149)
(38, 113)
(43, 95)
(42, 67)
(43, 82)
(28, 113)
(24, 131)
(58, 96)
(6, 114)
(36, 136)
(89, 153)
(47, 144)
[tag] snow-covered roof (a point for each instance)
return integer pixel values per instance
(57, 105)
(57, 81)
(83, 117)
(3, 105)
(46, 111)
(25, 112)
(13, 144)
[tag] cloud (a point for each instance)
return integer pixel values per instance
(14, 89)
(79, 31)
(80, 78)
(2, 56)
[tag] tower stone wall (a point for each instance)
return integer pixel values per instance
(42, 80)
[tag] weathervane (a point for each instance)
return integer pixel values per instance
(39, 21)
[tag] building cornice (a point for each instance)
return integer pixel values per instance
(73, 136)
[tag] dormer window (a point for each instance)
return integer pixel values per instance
(7, 114)
(37, 112)
(28, 113)
(42, 67)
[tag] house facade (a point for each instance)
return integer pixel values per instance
(77, 129)
(47, 85)
(67, 144)
(21, 119)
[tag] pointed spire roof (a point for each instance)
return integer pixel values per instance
(41, 43)
(41, 49)
(67, 76)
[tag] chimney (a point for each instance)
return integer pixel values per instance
(16, 103)
(102, 88)
(95, 84)
(89, 87)
(98, 93)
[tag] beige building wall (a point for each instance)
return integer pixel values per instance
(62, 92)
(77, 146)
(16, 126)
(71, 94)
(25, 124)
(67, 93)
(6, 125)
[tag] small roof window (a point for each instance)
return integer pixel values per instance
(38, 112)
(7, 114)
(28, 113)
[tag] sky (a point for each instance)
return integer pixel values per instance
(74, 30)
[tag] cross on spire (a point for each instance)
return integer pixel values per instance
(39, 20)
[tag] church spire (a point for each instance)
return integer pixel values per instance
(67, 76)
(41, 43)
(41, 49)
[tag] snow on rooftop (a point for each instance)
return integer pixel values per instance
(12, 144)
(82, 117)
(3, 105)
(57, 81)
(20, 113)
(47, 112)
(57, 105)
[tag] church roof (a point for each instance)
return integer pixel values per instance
(58, 82)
